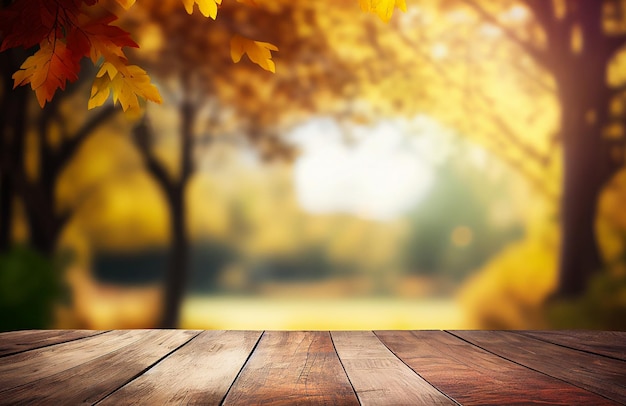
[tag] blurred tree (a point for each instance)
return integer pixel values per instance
(57, 136)
(201, 79)
(577, 45)
(566, 54)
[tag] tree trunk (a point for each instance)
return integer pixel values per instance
(586, 169)
(12, 155)
(177, 272)
(176, 276)
(579, 253)
(6, 210)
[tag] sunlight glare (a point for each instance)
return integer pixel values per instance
(382, 173)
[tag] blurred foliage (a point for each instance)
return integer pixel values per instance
(491, 228)
(31, 285)
(602, 307)
(147, 266)
(455, 230)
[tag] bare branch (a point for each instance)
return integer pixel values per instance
(539, 55)
(69, 148)
(505, 131)
(544, 13)
(143, 134)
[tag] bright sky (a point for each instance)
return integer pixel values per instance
(378, 172)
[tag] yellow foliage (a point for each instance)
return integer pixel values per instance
(382, 8)
(126, 86)
(208, 8)
(257, 51)
(509, 292)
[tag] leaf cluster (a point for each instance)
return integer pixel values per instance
(68, 30)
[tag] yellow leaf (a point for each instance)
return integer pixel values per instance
(208, 8)
(126, 4)
(127, 88)
(383, 8)
(258, 52)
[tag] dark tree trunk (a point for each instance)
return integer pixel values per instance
(177, 272)
(176, 277)
(6, 210)
(13, 107)
(43, 227)
(579, 253)
(587, 167)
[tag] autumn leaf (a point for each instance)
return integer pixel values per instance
(48, 70)
(127, 87)
(97, 38)
(26, 23)
(383, 8)
(126, 4)
(208, 8)
(258, 52)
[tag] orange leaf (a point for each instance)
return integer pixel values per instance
(48, 70)
(257, 51)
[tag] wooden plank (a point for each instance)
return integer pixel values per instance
(294, 367)
(95, 379)
(201, 372)
(378, 376)
(19, 341)
(471, 375)
(608, 343)
(601, 375)
(29, 366)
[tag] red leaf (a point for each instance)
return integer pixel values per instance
(97, 38)
(26, 23)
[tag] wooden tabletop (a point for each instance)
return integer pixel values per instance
(154, 367)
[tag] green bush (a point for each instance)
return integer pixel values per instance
(30, 285)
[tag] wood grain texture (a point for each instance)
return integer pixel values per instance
(91, 381)
(471, 375)
(604, 376)
(199, 373)
(608, 343)
(29, 366)
(378, 376)
(290, 368)
(19, 341)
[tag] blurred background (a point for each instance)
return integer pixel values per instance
(459, 167)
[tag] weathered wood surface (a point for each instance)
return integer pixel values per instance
(608, 343)
(604, 376)
(289, 367)
(378, 376)
(19, 341)
(335, 368)
(471, 375)
(199, 373)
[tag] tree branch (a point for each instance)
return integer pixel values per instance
(142, 136)
(540, 56)
(69, 148)
(187, 120)
(505, 131)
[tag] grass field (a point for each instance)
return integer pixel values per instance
(240, 313)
